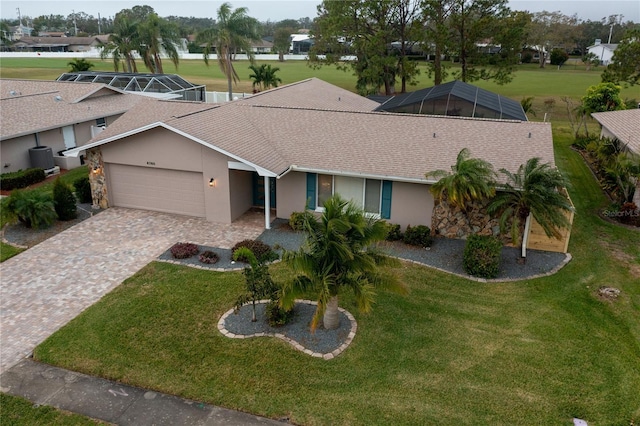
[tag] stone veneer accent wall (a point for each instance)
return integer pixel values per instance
(451, 222)
(97, 178)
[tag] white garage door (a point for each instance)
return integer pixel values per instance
(171, 191)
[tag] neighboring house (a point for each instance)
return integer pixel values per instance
(57, 44)
(603, 51)
(59, 115)
(300, 44)
(20, 31)
(261, 46)
(455, 98)
(291, 148)
(623, 125)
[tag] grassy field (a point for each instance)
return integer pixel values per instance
(529, 80)
(452, 352)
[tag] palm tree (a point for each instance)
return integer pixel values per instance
(80, 64)
(156, 35)
(264, 77)
(534, 190)
(122, 44)
(469, 179)
(234, 30)
(338, 255)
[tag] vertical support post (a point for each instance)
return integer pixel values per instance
(267, 203)
(525, 237)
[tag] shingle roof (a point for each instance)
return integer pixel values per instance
(30, 106)
(59, 41)
(507, 108)
(625, 125)
(312, 93)
(384, 145)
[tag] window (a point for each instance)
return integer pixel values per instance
(101, 122)
(365, 193)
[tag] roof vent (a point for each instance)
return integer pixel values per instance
(13, 93)
(57, 98)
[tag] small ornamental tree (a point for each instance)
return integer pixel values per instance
(559, 57)
(602, 97)
(64, 201)
(259, 284)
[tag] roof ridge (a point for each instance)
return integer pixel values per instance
(398, 114)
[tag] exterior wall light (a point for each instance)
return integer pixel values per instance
(212, 182)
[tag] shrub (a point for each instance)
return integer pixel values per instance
(297, 219)
(418, 236)
(482, 256)
(34, 209)
(260, 250)
(83, 189)
(582, 141)
(209, 257)
(21, 178)
(184, 250)
(64, 201)
(394, 232)
(276, 315)
(527, 57)
(559, 57)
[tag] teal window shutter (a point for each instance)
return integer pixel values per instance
(312, 178)
(385, 208)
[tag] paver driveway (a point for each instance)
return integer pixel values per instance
(46, 286)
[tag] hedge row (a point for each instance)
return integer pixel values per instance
(21, 178)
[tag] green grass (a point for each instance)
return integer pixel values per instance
(7, 251)
(15, 411)
(452, 352)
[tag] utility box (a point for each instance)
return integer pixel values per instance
(41, 157)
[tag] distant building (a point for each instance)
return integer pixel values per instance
(604, 51)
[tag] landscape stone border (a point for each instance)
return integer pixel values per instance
(295, 344)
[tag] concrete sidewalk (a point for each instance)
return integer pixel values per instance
(113, 402)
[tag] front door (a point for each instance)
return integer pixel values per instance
(69, 137)
(258, 191)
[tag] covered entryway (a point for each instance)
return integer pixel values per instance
(163, 190)
(258, 190)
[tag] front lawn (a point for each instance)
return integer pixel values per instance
(451, 352)
(17, 411)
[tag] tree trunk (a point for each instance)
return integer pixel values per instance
(331, 319)
(437, 66)
(542, 58)
(280, 56)
(229, 76)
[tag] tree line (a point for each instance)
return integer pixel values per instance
(485, 37)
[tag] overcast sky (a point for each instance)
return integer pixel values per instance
(276, 10)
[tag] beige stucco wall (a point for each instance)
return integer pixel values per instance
(241, 197)
(53, 139)
(411, 204)
(163, 149)
(83, 132)
(15, 153)
(291, 193)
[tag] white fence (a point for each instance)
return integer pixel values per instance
(95, 54)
